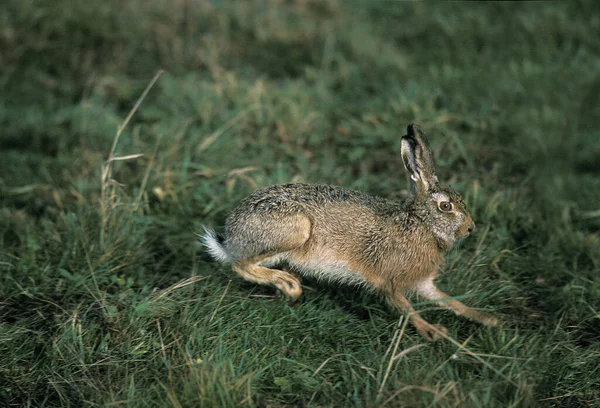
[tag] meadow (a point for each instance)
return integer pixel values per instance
(127, 126)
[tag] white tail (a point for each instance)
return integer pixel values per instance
(210, 240)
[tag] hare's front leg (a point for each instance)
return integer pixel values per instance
(429, 291)
(430, 332)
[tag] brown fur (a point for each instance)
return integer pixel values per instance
(348, 236)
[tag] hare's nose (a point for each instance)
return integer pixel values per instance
(471, 227)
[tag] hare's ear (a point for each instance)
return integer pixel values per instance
(418, 158)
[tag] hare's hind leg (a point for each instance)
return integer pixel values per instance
(283, 236)
(428, 290)
(284, 281)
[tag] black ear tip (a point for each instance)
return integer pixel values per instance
(413, 130)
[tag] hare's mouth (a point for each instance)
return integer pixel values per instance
(462, 234)
(465, 230)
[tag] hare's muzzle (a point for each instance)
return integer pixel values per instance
(471, 227)
(465, 229)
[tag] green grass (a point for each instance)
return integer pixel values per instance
(106, 297)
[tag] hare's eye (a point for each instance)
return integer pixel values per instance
(445, 206)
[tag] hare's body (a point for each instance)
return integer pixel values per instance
(338, 235)
(347, 236)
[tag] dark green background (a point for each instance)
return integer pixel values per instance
(95, 308)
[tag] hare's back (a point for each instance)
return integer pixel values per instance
(333, 216)
(282, 217)
(300, 197)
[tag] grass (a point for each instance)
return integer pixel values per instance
(107, 299)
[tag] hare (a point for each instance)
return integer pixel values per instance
(347, 236)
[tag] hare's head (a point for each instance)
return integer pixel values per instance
(439, 206)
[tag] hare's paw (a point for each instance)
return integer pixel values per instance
(489, 320)
(485, 319)
(290, 287)
(431, 332)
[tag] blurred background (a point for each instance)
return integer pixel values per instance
(105, 295)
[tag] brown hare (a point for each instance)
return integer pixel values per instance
(347, 236)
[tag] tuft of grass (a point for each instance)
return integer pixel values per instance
(105, 295)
